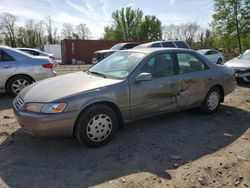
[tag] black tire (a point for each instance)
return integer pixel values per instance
(206, 106)
(83, 124)
(10, 84)
(219, 61)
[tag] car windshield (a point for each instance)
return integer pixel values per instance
(118, 66)
(117, 47)
(245, 55)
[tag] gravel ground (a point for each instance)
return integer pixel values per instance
(185, 149)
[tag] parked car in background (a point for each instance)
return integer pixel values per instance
(241, 66)
(36, 52)
(19, 69)
(126, 86)
(165, 44)
(101, 54)
(213, 55)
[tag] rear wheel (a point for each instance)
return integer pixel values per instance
(212, 101)
(17, 83)
(219, 61)
(96, 126)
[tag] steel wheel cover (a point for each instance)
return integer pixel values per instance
(99, 127)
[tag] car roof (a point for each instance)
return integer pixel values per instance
(151, 50)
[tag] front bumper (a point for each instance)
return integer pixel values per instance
(47, 125)
(245, 76)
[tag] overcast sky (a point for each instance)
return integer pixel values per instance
(97, 13)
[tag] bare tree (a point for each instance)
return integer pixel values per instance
(8, 28)
(49, 27)
(68, 31)
(83, 31)
(187, 32)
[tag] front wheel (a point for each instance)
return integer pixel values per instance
(96, 126)
(212, 101)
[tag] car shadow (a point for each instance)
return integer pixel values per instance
(5, 101)
(143, 146)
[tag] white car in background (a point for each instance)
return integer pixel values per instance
(213, 55)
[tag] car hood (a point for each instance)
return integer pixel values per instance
(55, 88)
(238, 63)
(105, 51)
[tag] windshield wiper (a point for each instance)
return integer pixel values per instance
(98, 73)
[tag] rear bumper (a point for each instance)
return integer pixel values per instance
(47, 125)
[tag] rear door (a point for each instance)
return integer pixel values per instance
(194, 78)
(158, 94)
(7, 66)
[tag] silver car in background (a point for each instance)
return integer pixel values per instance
(241, 66)
(126, 86)
(19, 69)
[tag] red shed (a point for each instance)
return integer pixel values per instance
(83, 50)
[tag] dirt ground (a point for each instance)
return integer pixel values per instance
(185, 149)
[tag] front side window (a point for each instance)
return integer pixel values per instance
(5, 57)
(190, 63)
(118, 65)
(160, 65)
(156, 45)
(168, 45)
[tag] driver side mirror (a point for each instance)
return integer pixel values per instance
(144, 76)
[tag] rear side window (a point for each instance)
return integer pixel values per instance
(156, 45)
(181, 44)
(4, 57)
(168, 45)
(188, 63)
(32, 52)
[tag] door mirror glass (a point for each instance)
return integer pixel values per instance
(144, 76)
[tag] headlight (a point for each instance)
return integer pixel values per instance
(46, 107)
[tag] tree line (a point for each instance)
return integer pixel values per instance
(229, 29)
(37, 33)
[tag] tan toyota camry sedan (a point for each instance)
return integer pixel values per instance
(126, 86)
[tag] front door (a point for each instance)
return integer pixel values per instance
(158, 94)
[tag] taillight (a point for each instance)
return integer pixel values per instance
(48, 65)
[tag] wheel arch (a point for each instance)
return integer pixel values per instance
(220, 87)
(107, 103)
(17, 75)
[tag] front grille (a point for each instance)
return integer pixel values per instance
(240, 71)
(19, 102)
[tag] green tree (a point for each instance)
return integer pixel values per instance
(150, 29)
(232, 20)
(126, 22)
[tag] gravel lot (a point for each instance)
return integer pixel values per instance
(185, 149)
